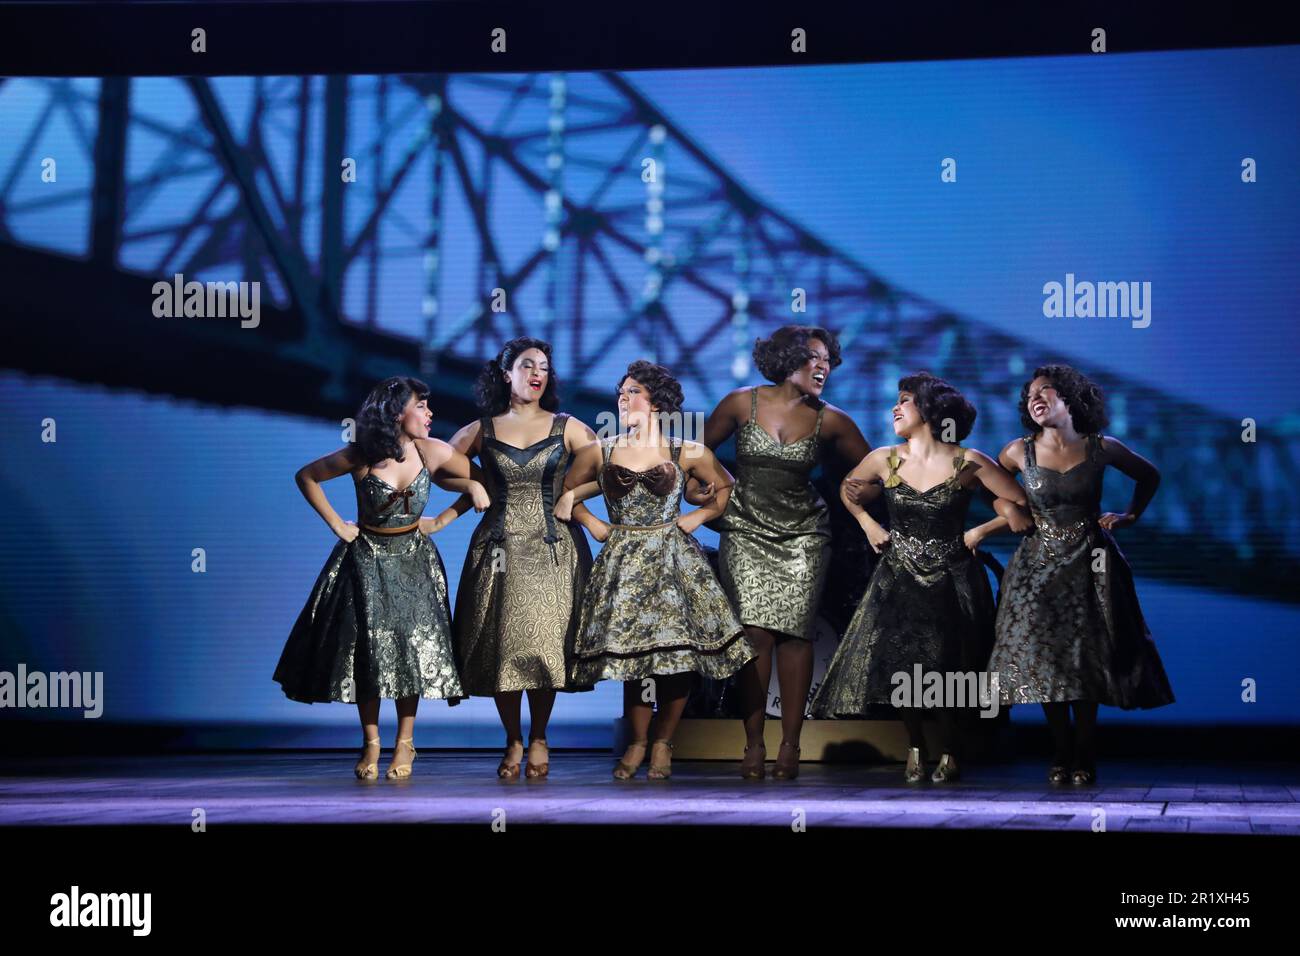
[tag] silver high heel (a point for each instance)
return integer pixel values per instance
(947, 770)
(915, 770)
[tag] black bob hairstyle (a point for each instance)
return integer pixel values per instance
(377, 437)
(492, 390)
(939, 403)
(1082, 396)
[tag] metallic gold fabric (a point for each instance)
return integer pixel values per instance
(929, 602)
(653, 605)
(1065, 630)
(377, 622)
(516, 607)
(774, 538)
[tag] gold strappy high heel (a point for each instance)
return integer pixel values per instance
(626, 771)
(401, 773)
(753, 771)
(543, 768)
(786, 770)
(661, 771)
(368, 771)
(510, 771)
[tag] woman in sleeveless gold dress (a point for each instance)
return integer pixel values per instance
(526, 569)
(774, 537)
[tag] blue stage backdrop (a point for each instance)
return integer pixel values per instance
(1122, 168)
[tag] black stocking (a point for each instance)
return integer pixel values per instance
(1085, 723)
(1058, 722)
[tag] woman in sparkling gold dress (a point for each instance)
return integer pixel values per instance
(526, 569)
(653, 612)
(775, 537)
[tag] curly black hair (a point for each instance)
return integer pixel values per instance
(786, 349)
(1082, 396)
(377, 438)
(492, 391)
(938, 403)
(665, 391)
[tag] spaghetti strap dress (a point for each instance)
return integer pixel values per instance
(377, 622)
(774, 539)
(1069, 626)
(653, 604)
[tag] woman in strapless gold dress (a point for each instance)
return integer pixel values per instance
(774, 545)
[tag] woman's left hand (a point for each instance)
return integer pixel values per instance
(687, 523)
(434, 525)
(1110, 520)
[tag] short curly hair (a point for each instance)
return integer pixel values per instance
(1082, 396)
(779, 355)
(939, 402)
(665, 391)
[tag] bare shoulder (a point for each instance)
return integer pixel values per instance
(834, 417)
(578, 432)
(696, 451)
(435, 450)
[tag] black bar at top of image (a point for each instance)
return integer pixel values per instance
(279, 38)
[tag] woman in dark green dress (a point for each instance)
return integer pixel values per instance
(377, 624)
(929, 607)
(774, 537)
(516, 607)
(1070, 631)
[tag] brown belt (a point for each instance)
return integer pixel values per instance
(643, 527)
(402, 530)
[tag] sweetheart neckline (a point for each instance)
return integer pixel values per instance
(423, 470)
(777, 441)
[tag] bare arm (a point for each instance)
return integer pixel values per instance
(729, 415)
(595, 527)
(577, 436)
(473, 490)
(704, 467)
(585, 466)
(844, 435)
(309, 478)
(1140, 470)
(867, 478)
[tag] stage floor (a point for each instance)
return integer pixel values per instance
(460, 788)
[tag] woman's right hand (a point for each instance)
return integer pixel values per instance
(348, 531)
(700, 494)
(479, 495)
(877, 537)
(855, 489)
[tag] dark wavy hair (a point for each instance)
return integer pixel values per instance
(377, 437)
(786, 349)
(1082, 396)
(938, 401)
(665, 391)
(492, 391)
